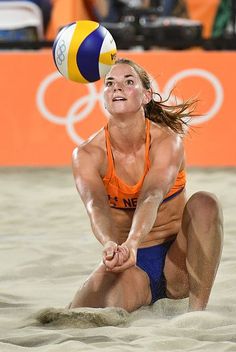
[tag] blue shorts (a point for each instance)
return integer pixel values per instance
(152, 261)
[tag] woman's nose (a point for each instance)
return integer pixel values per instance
(117, 86)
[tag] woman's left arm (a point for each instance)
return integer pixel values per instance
(166, 159)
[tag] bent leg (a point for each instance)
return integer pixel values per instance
(193, 259)
(128, 290)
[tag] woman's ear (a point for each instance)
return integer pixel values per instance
(147, 96)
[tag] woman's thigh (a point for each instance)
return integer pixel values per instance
(175, 269)
(201, 216)
(128, 290)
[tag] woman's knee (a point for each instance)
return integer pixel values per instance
(204, 205)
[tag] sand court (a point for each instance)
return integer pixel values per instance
(47, 251)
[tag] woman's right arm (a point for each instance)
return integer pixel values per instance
(86, 165)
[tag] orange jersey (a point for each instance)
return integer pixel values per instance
(123, 196)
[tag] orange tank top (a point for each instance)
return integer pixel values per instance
(123, 196)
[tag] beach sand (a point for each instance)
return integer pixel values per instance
(47, 251)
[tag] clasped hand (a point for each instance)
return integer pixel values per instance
(118, 258)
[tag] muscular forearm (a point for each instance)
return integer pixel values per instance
(101, 222)
(144, 219)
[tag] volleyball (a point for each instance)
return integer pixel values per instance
(84, 51)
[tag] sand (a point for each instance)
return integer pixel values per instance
(47, 251)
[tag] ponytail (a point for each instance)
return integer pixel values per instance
(175, 117)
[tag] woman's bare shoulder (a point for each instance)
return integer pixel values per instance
(93, 148)
(165, 140)
(160, 132)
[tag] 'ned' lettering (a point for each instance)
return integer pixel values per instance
(130, 202)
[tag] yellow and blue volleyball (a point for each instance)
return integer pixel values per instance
(84, 51)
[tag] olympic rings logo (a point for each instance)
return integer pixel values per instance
(60, 53)
(86, 104)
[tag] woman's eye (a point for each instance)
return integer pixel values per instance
(130, 82)
(108, 84)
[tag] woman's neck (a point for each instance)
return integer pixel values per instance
(127, 134)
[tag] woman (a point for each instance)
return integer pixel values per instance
(131, 179)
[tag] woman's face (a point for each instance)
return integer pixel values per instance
(123, 92)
